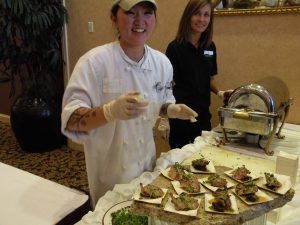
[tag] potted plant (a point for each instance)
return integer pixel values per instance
(31, 56)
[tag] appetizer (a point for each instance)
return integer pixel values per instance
(216, 181)
(276, 183)
(151, 191)
(190, 183)
(221, 201)
(200, 164)
(241, 174)
(272, 182)
(184, 202)
(248, 190)
(250, 194)
(176, 171)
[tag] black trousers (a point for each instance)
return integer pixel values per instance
(183, 132)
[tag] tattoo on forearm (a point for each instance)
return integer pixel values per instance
(80, 117)
(163, 110)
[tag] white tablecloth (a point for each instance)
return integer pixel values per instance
(121, 192)
(28, 199)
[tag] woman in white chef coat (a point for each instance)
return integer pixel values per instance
(115, 94)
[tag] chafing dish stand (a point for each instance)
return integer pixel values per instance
(256, 110)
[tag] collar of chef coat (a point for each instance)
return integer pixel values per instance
(143, 63)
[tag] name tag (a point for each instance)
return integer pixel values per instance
(208, 53)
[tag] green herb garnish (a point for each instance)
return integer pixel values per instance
(124, 217)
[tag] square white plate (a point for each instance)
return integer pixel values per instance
(210, 168)
(137, 197)
(209, 208)
(165, 173)
(171, 208)
(262, 197)
(229, 173)
(212, 188)
(179, 190)
(285, 181)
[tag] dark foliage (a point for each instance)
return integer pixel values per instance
(31, 46)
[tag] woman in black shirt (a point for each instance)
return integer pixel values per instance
(194, 59)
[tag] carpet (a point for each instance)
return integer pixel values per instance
(64, 166)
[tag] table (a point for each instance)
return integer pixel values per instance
(28, 199)
(246, 213)
(121, 192)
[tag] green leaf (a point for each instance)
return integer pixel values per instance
(31, 38)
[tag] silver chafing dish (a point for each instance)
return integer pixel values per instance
(256, 110)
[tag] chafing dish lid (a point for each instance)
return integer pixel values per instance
(266, 95)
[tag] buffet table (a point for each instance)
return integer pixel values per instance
(223, 156)
(28, 199)
(246, 213)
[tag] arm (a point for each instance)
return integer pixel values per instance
(224, 95)
(86, 119)
(163, 110)
(125, 107)
(171, 110)
(213, 85)
(177, 111)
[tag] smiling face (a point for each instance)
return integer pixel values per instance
(136, 25)
(200, 20)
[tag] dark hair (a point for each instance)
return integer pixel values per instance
(184, 28)
(115, 7)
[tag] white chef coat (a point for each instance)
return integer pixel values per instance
(120, 150)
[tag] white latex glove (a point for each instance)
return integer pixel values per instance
(164, 128)
(181, 111)
(224, 94)
(125, 107)
(221, 94)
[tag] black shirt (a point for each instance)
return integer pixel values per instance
(193, 68)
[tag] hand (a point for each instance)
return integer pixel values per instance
(125, 107)
(181, 111)
(224, 94)
(164, 128)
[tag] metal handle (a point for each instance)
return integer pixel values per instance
(241, 115)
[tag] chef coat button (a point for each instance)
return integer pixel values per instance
(141, 141)
(127, 68)
(123, 167)
(125, 142)
(144, 118)
(146, 94)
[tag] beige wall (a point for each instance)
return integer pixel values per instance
(249, 46)
(254, 46)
